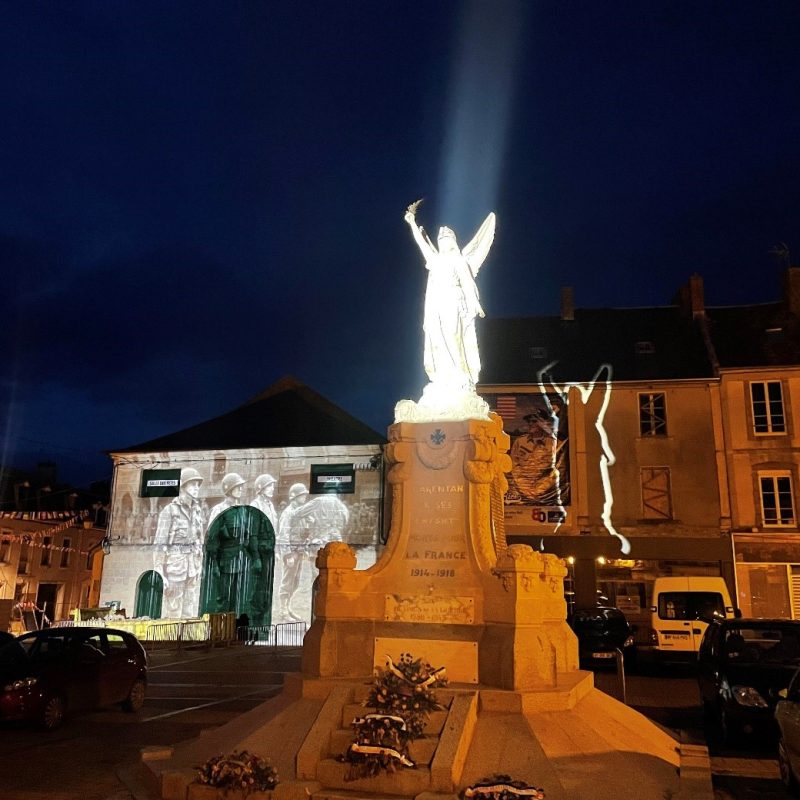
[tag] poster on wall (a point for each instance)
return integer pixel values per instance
(242, 534)
(539, 480)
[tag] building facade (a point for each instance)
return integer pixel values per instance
(50, 564)
(655, 442)
(228, 516)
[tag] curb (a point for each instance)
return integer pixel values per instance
(695, 773)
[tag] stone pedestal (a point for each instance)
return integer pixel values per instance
(446, 588)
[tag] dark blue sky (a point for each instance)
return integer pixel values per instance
(197, 198)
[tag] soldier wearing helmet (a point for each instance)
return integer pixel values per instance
(179, 546)
(265, 489)
(232, 488)
(294, 529)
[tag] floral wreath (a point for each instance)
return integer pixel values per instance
(403, 697)
(239, 770)
(502, 787)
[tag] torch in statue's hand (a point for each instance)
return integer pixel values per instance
(411, 211)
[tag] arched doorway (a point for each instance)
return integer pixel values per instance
(149, 594)
(239, 562)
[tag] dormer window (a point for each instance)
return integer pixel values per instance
(644, 348)
(537, 353)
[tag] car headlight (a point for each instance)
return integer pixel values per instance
(748, 696)
(628, 642)
(25, 683)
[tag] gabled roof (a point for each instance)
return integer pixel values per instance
(287, 414)
(638, 343)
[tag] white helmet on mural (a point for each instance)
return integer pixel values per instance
(189, 474)
(264, 480)
(296, 490)
(231, 481)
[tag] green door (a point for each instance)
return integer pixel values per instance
(239, 561)
(149, 593)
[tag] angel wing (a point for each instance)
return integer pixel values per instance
(477, 250)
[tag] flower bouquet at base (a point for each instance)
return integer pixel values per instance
(403, 697)
(501, 787)
(239, 770)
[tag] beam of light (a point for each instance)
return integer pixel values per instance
(607, 457)
(479, 108)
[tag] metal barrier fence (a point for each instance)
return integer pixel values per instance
(284, 634)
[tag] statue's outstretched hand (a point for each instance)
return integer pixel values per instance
(409, 217)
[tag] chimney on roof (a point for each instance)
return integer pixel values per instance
(791, 290)
(567, 303)
(690, 297)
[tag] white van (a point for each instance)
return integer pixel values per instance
(680, 612)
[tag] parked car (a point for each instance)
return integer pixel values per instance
(787, 715)
(743, 664)
(46, 674)
(601, 632)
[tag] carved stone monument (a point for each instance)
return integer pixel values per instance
(449, 590)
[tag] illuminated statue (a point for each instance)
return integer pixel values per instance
(179, 547)
(451, 357)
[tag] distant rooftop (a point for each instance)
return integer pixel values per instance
(683, 340)
(287, 414)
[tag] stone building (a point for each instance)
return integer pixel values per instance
(227, 515)
(634, 449)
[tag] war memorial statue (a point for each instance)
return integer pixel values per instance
(452, 303)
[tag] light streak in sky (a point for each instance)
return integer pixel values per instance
(607, 457)
(479, 106)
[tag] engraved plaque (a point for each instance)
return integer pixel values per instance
(429, 608)
(460, 659)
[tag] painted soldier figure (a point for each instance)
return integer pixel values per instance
(265, 489)
(179, 547)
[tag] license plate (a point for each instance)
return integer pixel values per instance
(602, 655)
(680, 637)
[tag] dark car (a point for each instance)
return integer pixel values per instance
(601, 632)
(743, 664)
(48, 673)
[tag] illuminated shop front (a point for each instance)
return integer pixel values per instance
(768, 574)
(197, 530)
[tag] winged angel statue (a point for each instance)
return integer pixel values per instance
(451, 358)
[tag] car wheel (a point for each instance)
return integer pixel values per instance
(135, 698)
(53, 713)
(787, 776)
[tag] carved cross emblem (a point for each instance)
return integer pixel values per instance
(438, 436)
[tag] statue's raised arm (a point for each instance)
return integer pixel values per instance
(451, 357)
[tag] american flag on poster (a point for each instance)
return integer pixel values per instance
(507, 406)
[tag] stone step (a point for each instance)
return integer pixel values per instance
(353, 710)
(420, 750)
(344, 794)
(406, 781)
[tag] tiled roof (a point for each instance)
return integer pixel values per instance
(288, 414)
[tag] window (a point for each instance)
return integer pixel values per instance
(47, 553)
(767, 401)
(777, 500)
(5, 551)
(644, 348)
(652, 415)
(656, 494)
(690, 605)
(537, 353)
(65, 553)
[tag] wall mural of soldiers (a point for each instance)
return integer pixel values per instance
(258, 541)
(179, 546)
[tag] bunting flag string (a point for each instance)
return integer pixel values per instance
(35, 538)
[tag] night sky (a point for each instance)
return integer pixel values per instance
(198, 198)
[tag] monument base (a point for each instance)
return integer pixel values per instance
(574, 742)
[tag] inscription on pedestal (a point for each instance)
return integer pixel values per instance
(429, 608)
